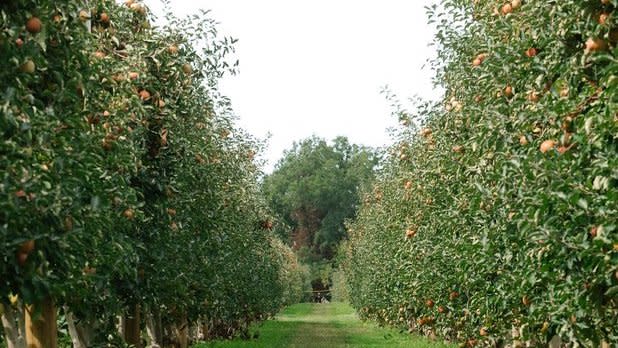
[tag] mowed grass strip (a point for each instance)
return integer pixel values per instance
(324, 325)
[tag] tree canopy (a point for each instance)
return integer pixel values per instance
(314, 190)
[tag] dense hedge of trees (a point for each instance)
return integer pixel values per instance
(493, 222)
(314, 189)
(126, 190)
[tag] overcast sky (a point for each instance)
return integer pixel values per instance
(317, 67)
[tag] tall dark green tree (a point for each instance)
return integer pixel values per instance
(314, 189)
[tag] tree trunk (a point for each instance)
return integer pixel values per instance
(154, 328)
(180, 332)
(205, 332)
(131, 327)
(41, 330)
(194, 332)
(81, 332)
(120, 325)
(183, 337)
(13, 323)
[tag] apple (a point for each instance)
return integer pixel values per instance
(144, 95)
(129, 214)
(531, 52)
(533, 96)
(523, 140)
(22, 258)
(547, 145)
(27, 247)
(508, 91)
(34, 25)
(138, 8)
(595, 45)
(478, 60)
(563, 149)
(28, 67)
(507, 8)
(410, 233)
(104, 17)
(118, 77)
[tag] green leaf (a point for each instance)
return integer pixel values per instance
(612, 291)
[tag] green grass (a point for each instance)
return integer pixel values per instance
(324, 325)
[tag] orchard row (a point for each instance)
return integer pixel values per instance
(494, 223)
(125, 189)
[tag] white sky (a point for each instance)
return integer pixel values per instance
(317, 67)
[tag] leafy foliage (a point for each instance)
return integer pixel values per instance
(494, 220)
(314, 188)
(123, 180)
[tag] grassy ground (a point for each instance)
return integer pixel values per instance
(324, 326)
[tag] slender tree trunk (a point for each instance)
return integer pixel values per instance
(21, 323)
(41, 329)
(194, 332)
(73, 332)
(81, 331)
(131, 327)
(13, 323)
(179, 331)
(120, 325)
(205, 333)
(176, 336)
(183, 337)
(154, 328)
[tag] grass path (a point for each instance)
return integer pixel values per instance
(324, 326)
